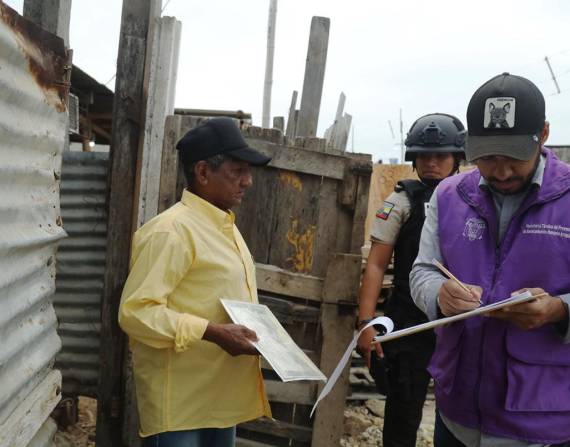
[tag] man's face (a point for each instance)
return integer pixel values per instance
(507, 175)
(226, 185)
(434, 166)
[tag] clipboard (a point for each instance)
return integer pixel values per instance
(513, 300)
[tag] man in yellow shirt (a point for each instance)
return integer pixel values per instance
(197, 375)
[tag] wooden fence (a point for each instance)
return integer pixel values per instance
(303, 221)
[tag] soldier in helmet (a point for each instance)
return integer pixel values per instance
(434, 145)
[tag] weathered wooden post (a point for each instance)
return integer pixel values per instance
(266, 114)
(52, 15)
(314, 77)
(291, 119)
(162, 87)
(137, 25)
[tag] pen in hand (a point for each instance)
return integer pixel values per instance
(451, 276)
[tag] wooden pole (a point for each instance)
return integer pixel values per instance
(291, 119)
(162, 87)
(266, 117)
(52, 15)
(128, 123)
(279, 123)
(314, 77)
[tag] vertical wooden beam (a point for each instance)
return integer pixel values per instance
(266, 114)
(291, 119)
(279, 123)
(169, 166)
(160, 104)
(314, 77)
(128, 123)
(337, 321)
(342, 136)
(52, 15)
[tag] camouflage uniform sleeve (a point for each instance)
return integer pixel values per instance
(394, 212)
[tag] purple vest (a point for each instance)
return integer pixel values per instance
(490, 375)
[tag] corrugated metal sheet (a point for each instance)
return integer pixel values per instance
(81, 268)
(32, 135)
(44, 436)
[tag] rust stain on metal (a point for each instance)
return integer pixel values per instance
(46, 55)
(303, 244)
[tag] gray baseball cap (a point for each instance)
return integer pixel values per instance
(505, 117)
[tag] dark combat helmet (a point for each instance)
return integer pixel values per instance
(436, 132)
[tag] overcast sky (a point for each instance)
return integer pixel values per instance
(420, 56)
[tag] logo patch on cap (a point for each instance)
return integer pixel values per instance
(499, 113)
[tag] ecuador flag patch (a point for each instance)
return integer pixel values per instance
(384, 212)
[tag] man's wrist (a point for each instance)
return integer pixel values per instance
(212, 332)
(361, 323)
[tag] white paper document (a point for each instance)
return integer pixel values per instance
(515, 299)
(383, 321)
(274, 343)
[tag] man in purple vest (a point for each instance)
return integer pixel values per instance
(503, 379)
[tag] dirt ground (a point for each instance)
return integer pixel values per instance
(362, 425)
(81, 434)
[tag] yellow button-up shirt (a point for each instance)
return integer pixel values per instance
(183, 261)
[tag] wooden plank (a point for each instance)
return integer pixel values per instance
(288, 312)
(327, 220)
(276, 280)
(301, 160)
(128, 113)
(279, 123)
(360, 214)
(359, 165)
(266, 111)
(343, 277)
(25, 421)
(160, 104)
(255, 216)
(314, 77)
(169, 164)
(291, 119)
(291, 392)
(295, 229)
(52, 15)
(281, 429)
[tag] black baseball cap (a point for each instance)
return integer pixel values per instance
(218, 136)
(505, 117)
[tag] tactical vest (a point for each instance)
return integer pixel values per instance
(400, 306)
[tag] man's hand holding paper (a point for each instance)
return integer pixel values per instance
(533, 314)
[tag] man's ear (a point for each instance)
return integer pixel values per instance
(201, 172)
(544, 133)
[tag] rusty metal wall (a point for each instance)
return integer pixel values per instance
(32, 134)
(81, 268)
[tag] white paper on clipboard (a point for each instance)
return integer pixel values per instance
(513, 300)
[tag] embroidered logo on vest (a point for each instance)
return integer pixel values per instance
(474, 228)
